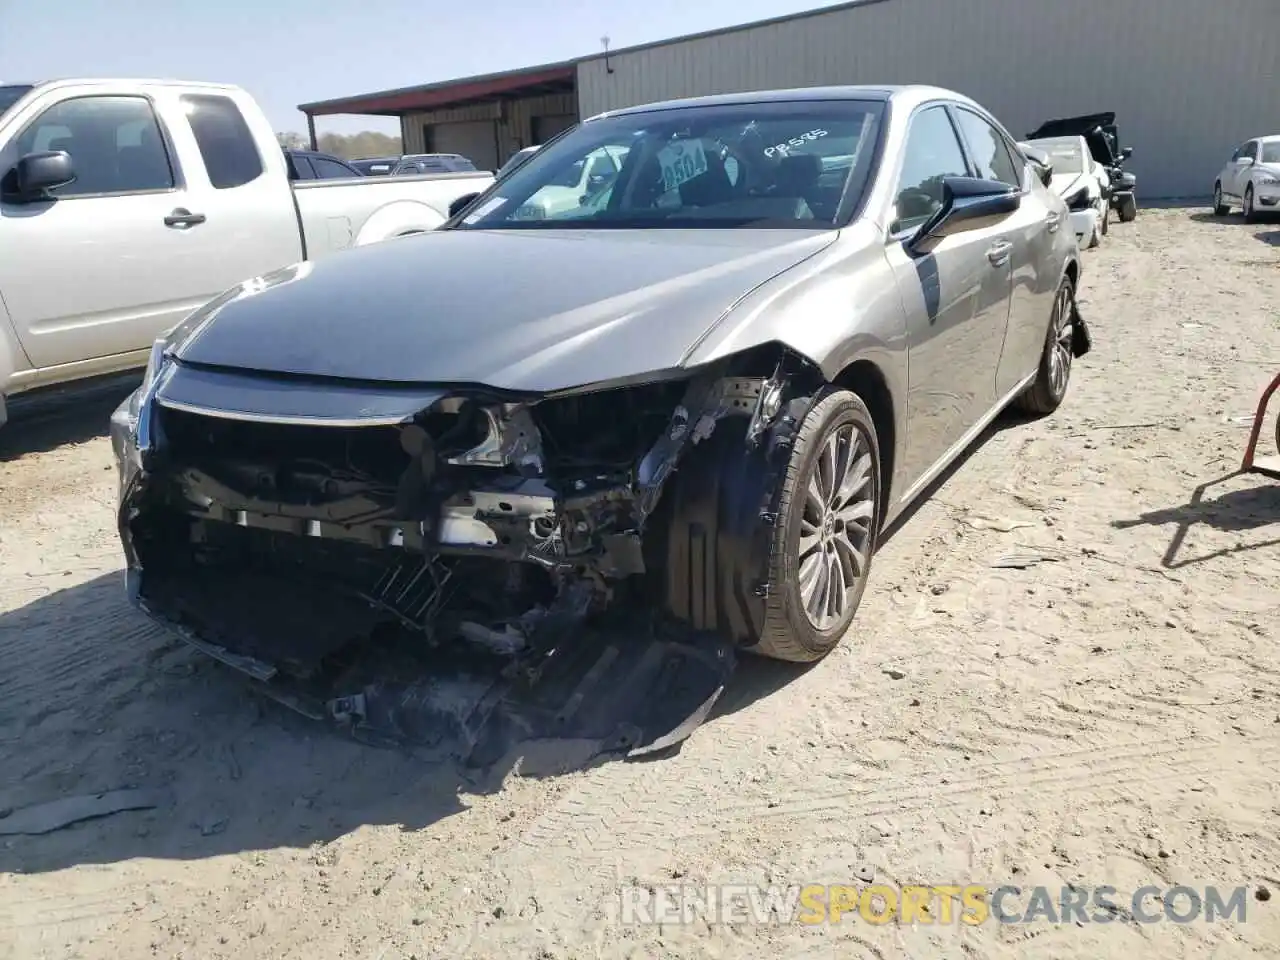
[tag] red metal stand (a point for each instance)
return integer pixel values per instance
(1269, 466)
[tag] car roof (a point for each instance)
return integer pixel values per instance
(913, 93)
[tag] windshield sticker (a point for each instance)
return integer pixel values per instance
(681, 161)
(486, 208)
(784, 149)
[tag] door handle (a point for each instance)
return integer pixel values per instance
(998, 253)
(184, 218)
(1053, 221)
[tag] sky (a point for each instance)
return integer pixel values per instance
(324, 49)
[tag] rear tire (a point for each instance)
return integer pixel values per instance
(821, 553)
(1106, 216)
(1095, 237)
(1128, 208)
(1048, 390)
(1220, 209)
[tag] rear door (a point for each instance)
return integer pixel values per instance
(956, 297)
(1029, 284)
(241, 187)
(1238, 172)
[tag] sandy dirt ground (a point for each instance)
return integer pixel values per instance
(1110, 715)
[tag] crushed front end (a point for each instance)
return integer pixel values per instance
(454, 569)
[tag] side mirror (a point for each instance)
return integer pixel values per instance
(968, 203)
(461, 204)
(1247, 161)
(1040, 161)
(1126, 153)
(37, 173)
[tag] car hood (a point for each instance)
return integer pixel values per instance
(523, 310)
(1064, 184)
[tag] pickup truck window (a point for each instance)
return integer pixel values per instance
(115, 144)
(226, 143)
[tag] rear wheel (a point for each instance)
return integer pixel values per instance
(1128, 208)
(829, 515)
(1049, 388)
(1250, 214)
(1220, 208)
(1106, 216)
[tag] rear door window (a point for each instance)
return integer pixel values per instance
(115, 143)
(989, 149)
(226, 143)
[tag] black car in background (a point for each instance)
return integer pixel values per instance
(418, 163)
(375, 166)
(312, 165)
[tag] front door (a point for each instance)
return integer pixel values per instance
(956, 299)
(1238, 172)
(89, 273)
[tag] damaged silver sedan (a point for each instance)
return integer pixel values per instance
(545, 472)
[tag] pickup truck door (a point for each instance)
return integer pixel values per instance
(142, 236)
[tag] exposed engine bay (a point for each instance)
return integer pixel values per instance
(489, 571)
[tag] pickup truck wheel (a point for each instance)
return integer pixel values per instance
(1128, 208)
(1220, 209)
(829, 516)
(1049, 388)
(1106, 217)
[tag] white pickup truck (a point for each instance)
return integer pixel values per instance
(126, 204)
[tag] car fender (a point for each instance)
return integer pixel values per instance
(397, 219)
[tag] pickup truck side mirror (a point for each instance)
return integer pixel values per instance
(36, 173)
(461, 203)
(1126, 153)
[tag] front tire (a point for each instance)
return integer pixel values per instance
(1250, 214)
(1220, 209)
(1106, 216)
(829, 515)
(1049, 388)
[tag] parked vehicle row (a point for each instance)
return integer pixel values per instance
(684, 406)
(125, 205)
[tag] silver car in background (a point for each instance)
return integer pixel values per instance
(697, 398)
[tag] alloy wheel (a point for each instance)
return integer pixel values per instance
(835, 526)
(1060, 351)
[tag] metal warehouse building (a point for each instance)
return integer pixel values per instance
(1188, 79)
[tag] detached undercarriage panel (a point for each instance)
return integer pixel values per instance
(486, 574)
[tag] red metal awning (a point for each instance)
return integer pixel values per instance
(558, 77)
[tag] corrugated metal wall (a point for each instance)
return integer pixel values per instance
(1188, 79)
(514, 120)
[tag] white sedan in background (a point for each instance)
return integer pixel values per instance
(1251, 178)
(1082, 182)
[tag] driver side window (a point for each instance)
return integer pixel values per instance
(114, 142)
(932, 154)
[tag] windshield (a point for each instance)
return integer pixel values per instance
(9, 95)
(1271, 152)
(1065, 154)
(778, 164)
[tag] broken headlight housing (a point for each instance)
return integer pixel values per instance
(1079, 200)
